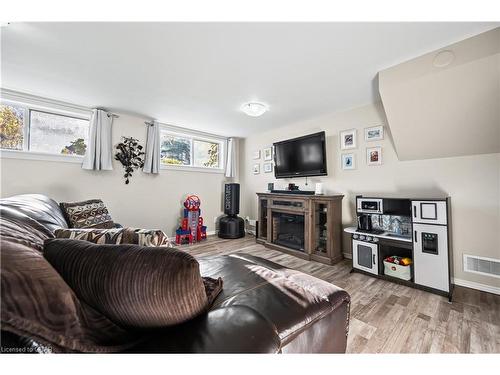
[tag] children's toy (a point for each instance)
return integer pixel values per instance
(192, 228)
(399, 260)
(399, 267)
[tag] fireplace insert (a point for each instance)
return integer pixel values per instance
(288, 230)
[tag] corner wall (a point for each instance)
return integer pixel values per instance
(149, 201)
(473, 182)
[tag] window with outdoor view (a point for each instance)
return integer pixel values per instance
(23, 128)
(206, 154)
(58, 134)
(190, 151)
(175, 150)
(11, 127)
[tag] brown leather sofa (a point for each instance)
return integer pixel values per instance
(263, 308)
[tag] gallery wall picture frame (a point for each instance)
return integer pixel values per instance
(268, 167)
(348, 139)
(256, 155)
(374, 133)
(256, 168)
(348, 161)
(268, 154)
(374, 156)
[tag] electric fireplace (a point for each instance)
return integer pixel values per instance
(288, 230)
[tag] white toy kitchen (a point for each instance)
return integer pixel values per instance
(404, 240)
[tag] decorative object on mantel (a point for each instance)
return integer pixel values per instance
(348, 139)
(348, 161)
(268, 167)
(131, 156)
(375, 133)
(374, 156)
(268, 154)
(318, 188)
(256, 168)
(256, 155)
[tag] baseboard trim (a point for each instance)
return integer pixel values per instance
(477, 286)
(347, 255)
(211, 232)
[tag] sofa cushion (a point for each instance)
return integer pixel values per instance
(233, 329)
(133, 285)
(290, 299)
(117, 236)
(17, 227)
(38, 207)
(87, 214)
(37, 303)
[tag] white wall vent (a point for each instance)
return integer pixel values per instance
(482, 265)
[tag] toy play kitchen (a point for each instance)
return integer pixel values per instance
(404, 240)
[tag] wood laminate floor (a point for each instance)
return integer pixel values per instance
(388, 317)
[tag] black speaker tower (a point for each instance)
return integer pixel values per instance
(231, 226)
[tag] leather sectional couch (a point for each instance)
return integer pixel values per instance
(263, 308)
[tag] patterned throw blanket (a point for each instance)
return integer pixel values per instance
(116, 236)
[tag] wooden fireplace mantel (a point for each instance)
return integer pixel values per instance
(322, 224)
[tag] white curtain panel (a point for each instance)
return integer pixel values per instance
(99, 153)
(232, 145)
(152, 157)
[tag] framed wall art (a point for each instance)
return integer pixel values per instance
(375, 133)
(348, 161)
(348, 139)
(268, 154)
(256, 169)
(374, 156)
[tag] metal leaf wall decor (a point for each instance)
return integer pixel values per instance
(131, 156)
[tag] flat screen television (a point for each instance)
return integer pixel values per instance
(300, 157)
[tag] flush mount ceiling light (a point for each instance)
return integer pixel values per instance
(254, 109)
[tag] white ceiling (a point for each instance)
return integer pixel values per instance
(197, 75)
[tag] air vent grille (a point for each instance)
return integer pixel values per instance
(482, 265)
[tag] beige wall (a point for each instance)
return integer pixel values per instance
(149, 201)
(456, 103)
(473, 182)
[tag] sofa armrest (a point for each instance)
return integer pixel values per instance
(233, 329)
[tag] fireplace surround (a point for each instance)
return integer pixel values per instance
(306, 226)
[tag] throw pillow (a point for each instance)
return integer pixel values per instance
(38, 304)
(134, 286)
(87, 214)
(117, 236)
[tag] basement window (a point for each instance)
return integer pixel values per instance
(186, 150)
(32, 132)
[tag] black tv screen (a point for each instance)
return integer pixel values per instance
(300, 157)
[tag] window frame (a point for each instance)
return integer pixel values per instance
(57, 110)
(194, 136)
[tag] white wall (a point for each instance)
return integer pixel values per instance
(149, 201)
(473, 182)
